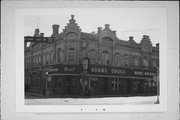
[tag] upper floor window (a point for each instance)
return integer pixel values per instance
(39, 59)
(52, 56)
(59, 55)
(92, 55)
(71, 55)
(117, 59)
(44, 58)
(48, 58)
(155, 63)
(105, 58)
(145, 63)
(136, 63)
(126, 60)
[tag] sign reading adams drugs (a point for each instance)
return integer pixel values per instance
(103, 70)
(120, 71)
(39, 39)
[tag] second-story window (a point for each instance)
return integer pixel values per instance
(59, 55)
(155, 63)
(52, 56)
(44, 58)
(105, 58)
(39, 58)
(145, 63)
(48, 58)
(117, 60)
(92, 56)
(136, 61)
(71, 55)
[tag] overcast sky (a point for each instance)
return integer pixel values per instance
(127, 22)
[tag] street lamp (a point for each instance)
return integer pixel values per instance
(46, 91)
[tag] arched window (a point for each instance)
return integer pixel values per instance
(71, 55)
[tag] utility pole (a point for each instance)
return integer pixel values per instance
(157, 84)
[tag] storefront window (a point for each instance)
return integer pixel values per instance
(94, 82)
(57, 83)
(116, 84)
(150, 84)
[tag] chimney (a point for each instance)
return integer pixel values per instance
(107, 26)
(72, 16)
(99, 29)
(41, 34)
(146, 37)
(36, 33)
(131, 38)
(157, 45)
(55, 29)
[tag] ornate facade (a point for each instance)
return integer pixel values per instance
(116, 67)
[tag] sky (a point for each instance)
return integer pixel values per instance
(127, 22)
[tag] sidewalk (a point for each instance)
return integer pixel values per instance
(94, 101)
(40, 95)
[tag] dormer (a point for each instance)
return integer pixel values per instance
(106, 33)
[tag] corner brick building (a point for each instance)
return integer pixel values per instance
(115, 66)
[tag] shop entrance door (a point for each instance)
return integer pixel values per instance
(129, 86)
(69, 85)
(105, 86)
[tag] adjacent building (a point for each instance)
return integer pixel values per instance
(115, 67)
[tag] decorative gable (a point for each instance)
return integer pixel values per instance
(72, 26)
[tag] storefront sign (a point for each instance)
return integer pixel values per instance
(71, 69)
(39, 39)
(103, 70)
(120, 71)
(51, 70)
